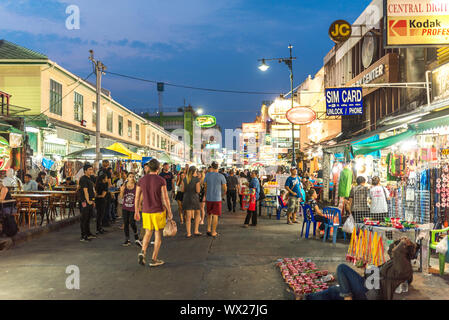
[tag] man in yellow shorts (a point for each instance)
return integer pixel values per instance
(152, 199)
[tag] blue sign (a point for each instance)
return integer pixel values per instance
(344, 101)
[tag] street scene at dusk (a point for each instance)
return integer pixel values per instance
(213, 151)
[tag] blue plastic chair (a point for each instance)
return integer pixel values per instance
(280, 208)
(308, 220)
(330, 213)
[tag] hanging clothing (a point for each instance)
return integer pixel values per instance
(345, 183)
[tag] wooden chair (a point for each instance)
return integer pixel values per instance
(71, 201)
(25, 209)
(56, 201)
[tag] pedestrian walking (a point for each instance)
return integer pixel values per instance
(232, 183)
(128, 194)
(254, 187)
(295, 192)
(87, 196)
(243, 183)
(152, 199)
(169, 178)
(201, 176)
(180, 195)
(101, 188)
(215, 185)
(191, 187)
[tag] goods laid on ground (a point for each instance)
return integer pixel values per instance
(392, 223)
(303, 276)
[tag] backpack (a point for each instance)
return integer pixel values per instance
(9, 225)
(261, 194)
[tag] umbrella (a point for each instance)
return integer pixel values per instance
(91, 154)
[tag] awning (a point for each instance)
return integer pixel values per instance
(122, 149)
(366, 148)
(432, 121)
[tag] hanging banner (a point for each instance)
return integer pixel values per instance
(416, 23)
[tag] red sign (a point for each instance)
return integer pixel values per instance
(301, 115)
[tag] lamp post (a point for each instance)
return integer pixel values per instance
(289, 62)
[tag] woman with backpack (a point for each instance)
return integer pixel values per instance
(128, 194)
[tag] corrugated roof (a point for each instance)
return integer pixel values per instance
(9, 50)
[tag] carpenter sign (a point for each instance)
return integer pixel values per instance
(416, 22)
(344, 101)
(340, 31)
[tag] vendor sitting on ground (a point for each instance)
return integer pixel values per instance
(352, 286)
(317, 212)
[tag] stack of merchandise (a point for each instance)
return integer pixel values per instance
(303, 276)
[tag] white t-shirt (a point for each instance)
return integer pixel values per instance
(378, 200)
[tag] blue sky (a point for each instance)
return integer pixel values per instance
(204, 43)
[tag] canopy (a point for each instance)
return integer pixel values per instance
(431, 124)
(122, 149)
(90, 154)
(163, 157)
(365, 148)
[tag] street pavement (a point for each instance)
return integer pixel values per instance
(239, 264)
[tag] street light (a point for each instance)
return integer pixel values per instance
(264, 66)
(289, 62)
(199, 111)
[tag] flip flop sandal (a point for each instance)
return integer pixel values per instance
(209, 234)
(216, 236)
(188, 237)
(197, 234)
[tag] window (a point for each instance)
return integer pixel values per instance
(154, 140)
(120, 125)
(130, 128)
(137, 132)
(109, 123)
(55, 98)
(157, 141)
(78, 107)
(94, 113)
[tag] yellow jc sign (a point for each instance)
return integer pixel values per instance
(340, 31)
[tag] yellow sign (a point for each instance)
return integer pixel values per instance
(417, 22)
(340, 31)
(445, 152)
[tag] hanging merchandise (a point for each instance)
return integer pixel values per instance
(345, 182)
(365, 248)
(396, 166)
(47, 163)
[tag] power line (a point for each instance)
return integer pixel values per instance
(62, 98)
(190, 87)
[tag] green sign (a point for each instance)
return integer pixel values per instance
(206, 121)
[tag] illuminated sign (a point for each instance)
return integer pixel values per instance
(253, 127)
(416, 22)
(5, 153)
(340, 31)
(213, 146)
(279, 108)
(301, 115)
(344, 101)
(206, 121)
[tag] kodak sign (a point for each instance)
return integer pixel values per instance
(416, 22)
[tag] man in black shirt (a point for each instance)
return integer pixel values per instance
(104, 170)
(87, 196)
(232, 186)
(169, 178)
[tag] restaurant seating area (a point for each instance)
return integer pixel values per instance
(32, 209)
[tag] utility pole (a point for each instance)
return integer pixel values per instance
(290, 66)
(99, 69)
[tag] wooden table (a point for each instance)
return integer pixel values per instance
(74, 187)
(39, 197)
(51, 192)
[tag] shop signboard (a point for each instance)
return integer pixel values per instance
(253, 127)
(278, 109)
(301, 115)
(445, 151)
(340, 31)
(206, 121)
(440, 82)
(416, 23)
(344, 101)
